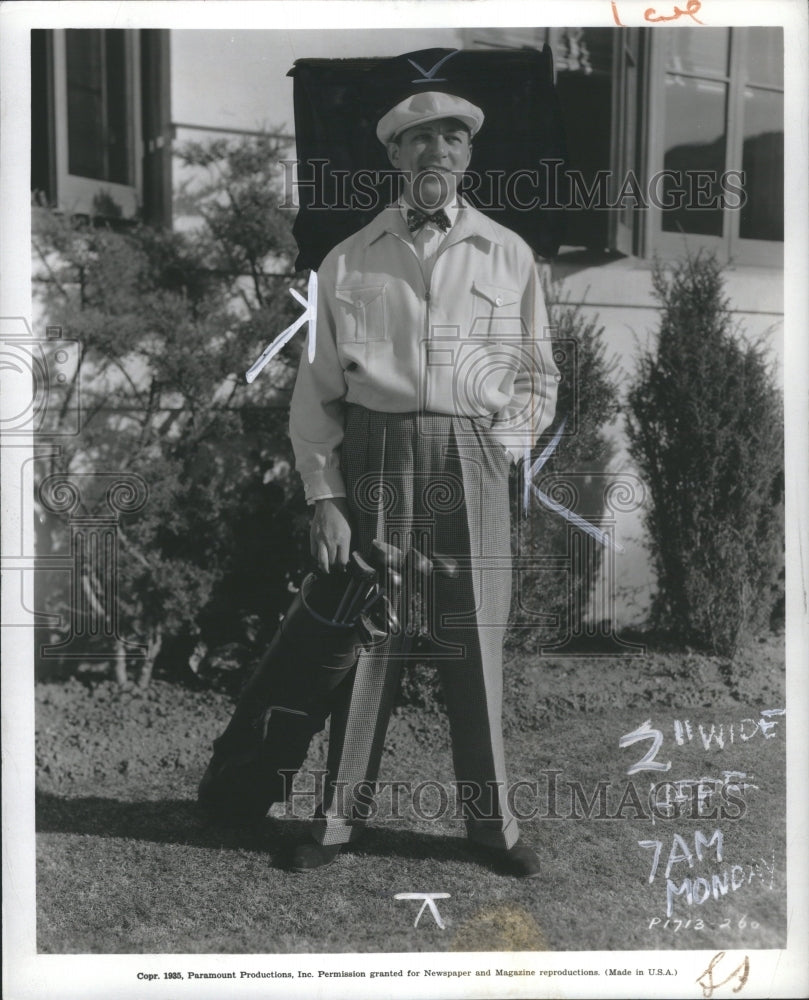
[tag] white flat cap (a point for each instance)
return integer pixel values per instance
(427, 107)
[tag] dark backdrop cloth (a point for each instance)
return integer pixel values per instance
(338, 103)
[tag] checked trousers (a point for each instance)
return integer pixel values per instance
(438, 482)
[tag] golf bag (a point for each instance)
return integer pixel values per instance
(285, 703)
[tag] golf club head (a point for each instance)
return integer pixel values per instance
(445, 566)
(383, 555)
(417, 562)
(360, 569)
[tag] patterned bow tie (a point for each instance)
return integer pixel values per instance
(416, 219)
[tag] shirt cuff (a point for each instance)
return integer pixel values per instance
(515, 452)
(323, 484)
(328, 496)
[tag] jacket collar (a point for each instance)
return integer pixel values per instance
(469, 222)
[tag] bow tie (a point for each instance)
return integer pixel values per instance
(416, 219)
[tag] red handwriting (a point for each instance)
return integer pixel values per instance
(706, 980)
(691, 10)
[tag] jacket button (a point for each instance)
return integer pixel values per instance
(498, 301)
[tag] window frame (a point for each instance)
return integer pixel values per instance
(76, 193)
(629, 142)
(730, 247)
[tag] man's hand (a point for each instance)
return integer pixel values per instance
(330, 534)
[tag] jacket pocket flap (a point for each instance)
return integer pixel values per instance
(496, 294)
(359, 296)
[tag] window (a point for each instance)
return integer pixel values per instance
(687, 123)
(97, 119)
(98, 123)
(716, 128)
(762, 218)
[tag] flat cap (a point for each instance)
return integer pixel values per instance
(428, 106)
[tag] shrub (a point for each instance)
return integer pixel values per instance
(705, 428)
(588, 403)
(167, 324)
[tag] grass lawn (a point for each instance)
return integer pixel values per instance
(126, 865)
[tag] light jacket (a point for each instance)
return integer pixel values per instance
(471, 339)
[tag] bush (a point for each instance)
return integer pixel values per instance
(588, 403)
(706, 430)
(167, 323)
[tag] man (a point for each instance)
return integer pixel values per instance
(431, 375)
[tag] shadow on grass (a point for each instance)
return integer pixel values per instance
(166, 821)
(178, 821)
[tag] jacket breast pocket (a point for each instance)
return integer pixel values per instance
(362, 313)
(497, 312)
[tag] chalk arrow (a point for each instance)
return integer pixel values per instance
(308, 316)
(429, 902)
(430, 74)
(529, 488)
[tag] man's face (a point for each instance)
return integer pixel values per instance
(433, 158)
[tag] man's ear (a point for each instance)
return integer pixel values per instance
(393, 153)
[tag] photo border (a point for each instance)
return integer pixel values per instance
(27, 974)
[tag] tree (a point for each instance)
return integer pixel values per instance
(167, 323)
(705, 426)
